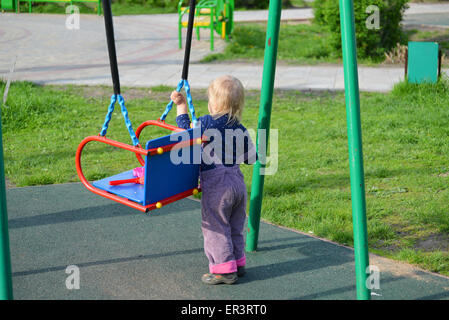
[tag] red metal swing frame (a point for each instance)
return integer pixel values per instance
(139, 152)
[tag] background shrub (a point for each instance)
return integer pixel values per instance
(371, 43)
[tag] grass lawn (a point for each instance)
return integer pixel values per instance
(432, 34)
(91, 8)
(120, 8)
(305, 44)
(406, 143)
(300, 3)
(298, 44)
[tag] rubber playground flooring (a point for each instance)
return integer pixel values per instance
(124, 254)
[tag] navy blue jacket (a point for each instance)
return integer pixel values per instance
(236, 146)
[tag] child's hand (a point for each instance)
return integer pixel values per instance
(180, 102)
(178, 98)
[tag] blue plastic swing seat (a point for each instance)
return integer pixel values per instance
(163, 177)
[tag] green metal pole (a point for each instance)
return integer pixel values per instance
(355, 147)
(5, 258)
(266, 100)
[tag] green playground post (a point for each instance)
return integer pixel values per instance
(5, 258)
(352, 96)
(266, 100)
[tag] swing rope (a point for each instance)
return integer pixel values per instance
(121, 101)
(185, 69)
(115, 77)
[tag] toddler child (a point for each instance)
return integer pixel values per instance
(223, 188)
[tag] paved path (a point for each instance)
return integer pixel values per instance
(419, 8)
(48, 53)
(124, 254)
(428, 14)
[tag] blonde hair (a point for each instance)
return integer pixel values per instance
(227, 96)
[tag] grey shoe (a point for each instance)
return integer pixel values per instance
(214, 278)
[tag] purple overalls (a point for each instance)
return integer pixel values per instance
(223, 197)
(223, 218)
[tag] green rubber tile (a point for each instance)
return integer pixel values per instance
(124, 254)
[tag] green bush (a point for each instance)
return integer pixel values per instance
(318, 12)
(371, 43)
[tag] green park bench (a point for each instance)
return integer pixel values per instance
(423, 62)
(8, 5)
(215, 15)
